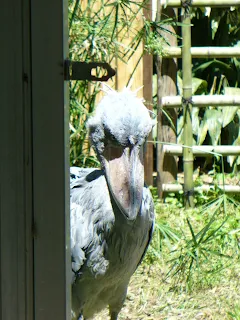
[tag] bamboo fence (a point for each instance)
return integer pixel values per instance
(186, 53)
(203, 52)
(202, 3)
(171, 188)
(204, 151)
(202, 101)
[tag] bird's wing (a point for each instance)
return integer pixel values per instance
(91, 220)
(148, 210)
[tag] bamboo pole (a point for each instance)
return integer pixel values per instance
(203, 151)
(187, 109)
(203, 52)
(203, 101)
(168, 188)
(202, 3)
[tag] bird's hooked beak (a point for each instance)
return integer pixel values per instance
(125, 176)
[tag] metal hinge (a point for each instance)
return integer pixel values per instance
(75, 70)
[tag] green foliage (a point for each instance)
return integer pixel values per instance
(220, 28)
(200, 244)
(153, 35)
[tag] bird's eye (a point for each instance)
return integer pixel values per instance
(113, 140)
(110, 139)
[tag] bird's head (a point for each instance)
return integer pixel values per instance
(118, 132)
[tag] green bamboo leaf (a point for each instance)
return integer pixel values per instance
(205, 255)
(190, 269)
(228, 113)
(213, 119)
(199, 86)
(179, 84)
(170, 121)
(191, 254)
(231, 159)
(201, 234)
(202, 133)
(180, 125)
(203, 66)
(214, 232)
(167, 231)
(214, 64)
(192, 233)
(219, 254)
(195, 120)
(73, 13)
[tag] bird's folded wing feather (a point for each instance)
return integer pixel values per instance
(148, 210)
(91, 220)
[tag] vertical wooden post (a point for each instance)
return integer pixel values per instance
(52, 257)
(167, 77)
(147, 94)
(16, 255)
(187, 108)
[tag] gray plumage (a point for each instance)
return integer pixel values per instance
(112, 212)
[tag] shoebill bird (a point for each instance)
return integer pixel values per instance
(112, 213)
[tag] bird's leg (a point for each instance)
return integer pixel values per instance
(114, 315)
(116, 307)
(81, 317)
(117, 303)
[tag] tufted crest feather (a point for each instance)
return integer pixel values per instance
(123, 115)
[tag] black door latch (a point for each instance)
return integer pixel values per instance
(76, 70)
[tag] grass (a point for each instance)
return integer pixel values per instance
(191, 270)
(151, 297)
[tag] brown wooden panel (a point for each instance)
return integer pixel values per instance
(167, 77)
(147, 94)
